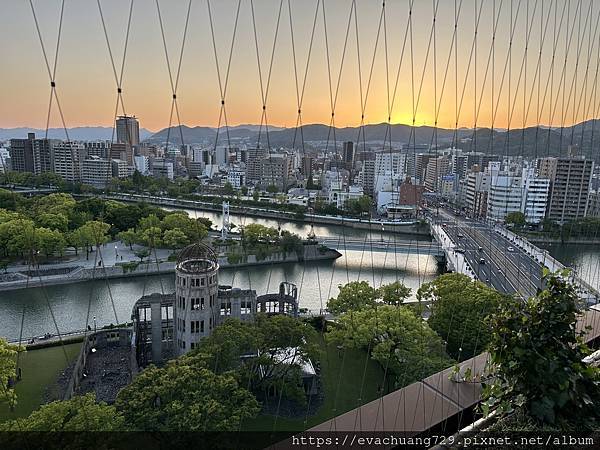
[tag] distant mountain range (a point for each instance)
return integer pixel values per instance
(76, 133)
(529, 142)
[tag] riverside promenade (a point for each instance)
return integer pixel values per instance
(117, 260)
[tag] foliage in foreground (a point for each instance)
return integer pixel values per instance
(8, 365)
(459, 306)
(80, 413)
(537, 355)
(185, 397)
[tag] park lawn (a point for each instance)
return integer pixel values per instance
(40, 369)
(342, 389)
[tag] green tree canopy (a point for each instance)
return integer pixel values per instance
(80, 413)
(394, 293)
(459, 306)
(183, 396)
(128, 237)
(516, 218)
(398, 339)
(353, 296)
(8, 366)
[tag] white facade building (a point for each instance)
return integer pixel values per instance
(536, 191)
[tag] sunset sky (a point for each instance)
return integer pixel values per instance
(87, 90)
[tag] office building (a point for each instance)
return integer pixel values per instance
(570, 180)
(348, 152)
(128, 130)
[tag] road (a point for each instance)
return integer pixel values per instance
(506, 267)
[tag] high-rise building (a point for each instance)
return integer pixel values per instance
(254, 160)
(348, 152)
(128, 130)
(32, 155)
(504, 197)
(68, 160)
(277, 170)
(477, 188)
(122, 151)
(535, 196)
(570, 187)
(96, 171)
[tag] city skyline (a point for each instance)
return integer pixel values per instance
(86, 87)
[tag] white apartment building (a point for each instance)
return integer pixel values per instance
(68, 158)
(536, 191)
(339, 196)
(120, 169)
(96, 171)
(237, 178)
(505, 196)
(142, 164)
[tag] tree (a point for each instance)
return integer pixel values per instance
(536, 353)
(255, 195)
(53, 221)
(262, 344)
(272, 189)
(98, 231)
(49, 241)
(359, 205)
(228, 188)
(193, 229)
(290, 242)
(54, 204)
(183, 396)
(128, 237)
(244, 190)
(394, 293)
(206, 222)
(255, 233)
(8, 366)
(152, 237)
(459, 306)
(398, 339)
(175, 238)
(80, 413)
(149, 221)
(142, 253)
(516, 218)
(354, 296)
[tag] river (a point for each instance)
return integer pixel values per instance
(316, 281)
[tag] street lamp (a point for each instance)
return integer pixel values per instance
(116, 252)
(94, 319)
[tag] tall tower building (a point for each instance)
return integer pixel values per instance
(570, 180)
(128, 130)
(196, 288)
(348, 152)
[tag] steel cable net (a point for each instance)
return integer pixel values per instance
(462, 108)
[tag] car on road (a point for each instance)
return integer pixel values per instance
(481, 261)
(511, 249)
(480, 248)
(460, 235)
(459, 250)
(444, 224)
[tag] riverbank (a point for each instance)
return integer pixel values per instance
(409, 228)
(58, 274)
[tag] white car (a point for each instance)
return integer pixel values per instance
(511, 249)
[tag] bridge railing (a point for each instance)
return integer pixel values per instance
(544, 258)
(456, 259)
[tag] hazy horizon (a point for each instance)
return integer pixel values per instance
(87, 91)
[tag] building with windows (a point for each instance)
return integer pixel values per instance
(96, 171)
(68, 160)
(169, 325)
(570, 186)
(128, 130)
